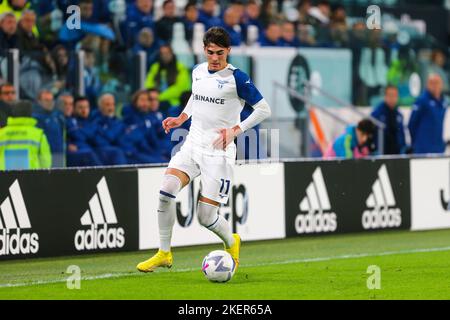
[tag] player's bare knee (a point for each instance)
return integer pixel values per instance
(207, 214)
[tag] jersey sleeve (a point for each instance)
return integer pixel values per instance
(245, 88)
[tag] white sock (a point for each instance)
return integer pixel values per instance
(167, 210)
(209, 217)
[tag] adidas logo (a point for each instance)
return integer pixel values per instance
(99, 216)
(315, 210)
(382, 212)
(13, 219)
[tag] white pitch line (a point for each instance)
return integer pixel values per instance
(319, 259)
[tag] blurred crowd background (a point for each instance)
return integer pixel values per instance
(102, 113)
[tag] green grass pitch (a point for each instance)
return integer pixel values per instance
(413, 265)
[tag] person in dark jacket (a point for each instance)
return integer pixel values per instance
(109, 130)
(80, 136)
(164, 26)
(140, 141)
(8, 31)
(7, 97)
(51, 120)
(426, 123)
(387, 112)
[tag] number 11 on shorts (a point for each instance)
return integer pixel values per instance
(223, 185)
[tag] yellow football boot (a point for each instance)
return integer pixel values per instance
(160, 259)
(235, 248)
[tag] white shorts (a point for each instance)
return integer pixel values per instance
(215, 169)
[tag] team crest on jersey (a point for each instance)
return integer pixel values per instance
(220, 83)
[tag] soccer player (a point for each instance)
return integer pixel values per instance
(219, 92)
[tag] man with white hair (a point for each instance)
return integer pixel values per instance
(109, 132)
(426, 123)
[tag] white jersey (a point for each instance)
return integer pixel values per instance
(216, 102)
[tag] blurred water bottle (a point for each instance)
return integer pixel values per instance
(179, 43)
(197, 38)
(56, 18)
(252, 35)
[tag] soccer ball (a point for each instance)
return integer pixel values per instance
(218, 266)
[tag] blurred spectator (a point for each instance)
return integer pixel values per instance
(320, 13)
(426, 123)
(403, 65)
(169, 77)
(387, 112)
(437, 66)
(268, 13)
(306, 35)
(139, 16)
(207, 14)
(231, 25)
(148, 43)
(81, 132)
(252, 17)
(91, 79)
(338, 27)
(238, 7)
(271, 36)
(109, 130)
(288, 37)
(29, 43)
(22, 145)
(164, 26)
(64, 103)
(7, 97)
(303, 12)
(16, 7)
(140, 141)
(189, 19)
(51, 120)
(354, 142)
(88, 28)
(8, 28)
(60, 57)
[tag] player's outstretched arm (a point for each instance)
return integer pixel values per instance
(174, 122)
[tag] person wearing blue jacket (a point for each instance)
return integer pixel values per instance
(426, 123)
(139, 15)
(206, 14)
(387, 112)
(51, 120)
(137, 115)
(109, 130)
(353, 144)
(80, 136)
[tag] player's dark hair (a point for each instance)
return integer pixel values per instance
(367, 126)
(218, 36)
